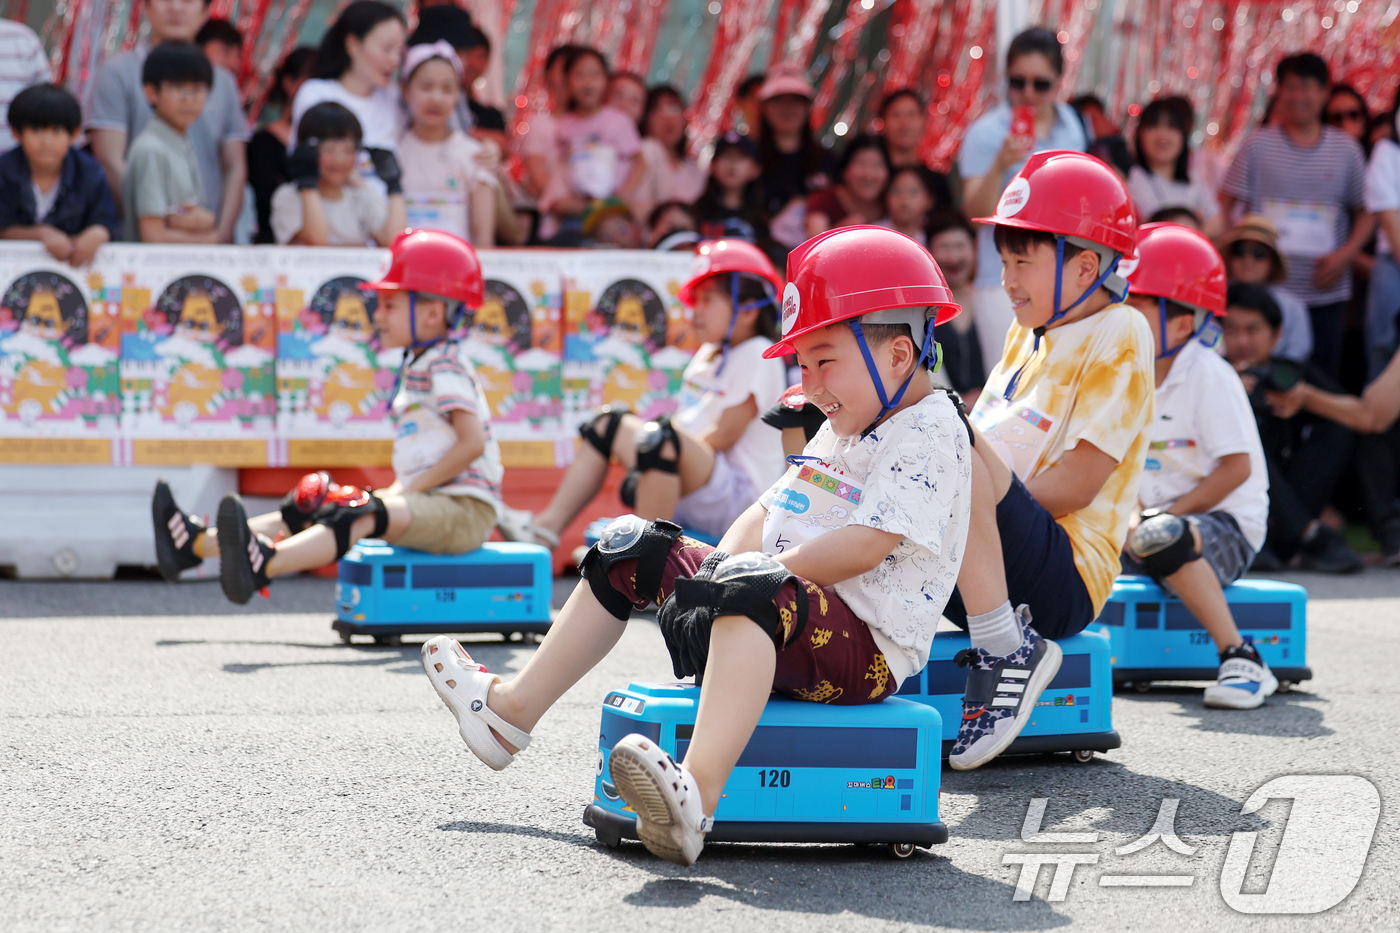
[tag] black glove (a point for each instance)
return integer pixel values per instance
(304, 166)
(387, 168)
(687, 631)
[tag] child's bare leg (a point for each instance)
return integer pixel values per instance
(584, 477)
(269, 523)
(738, 679)
(982, 577)
(580, 637)
(659, 491)
(1199, 590)
(315, 547)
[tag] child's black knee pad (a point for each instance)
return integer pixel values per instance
(339, 515)
(627, 538)
(299, 507)
(1162, 543)
(745, 585)
(602, 442)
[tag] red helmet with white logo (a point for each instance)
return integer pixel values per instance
(857, 272)
(1071, 194)
(717, 257)
(435, 262)
(1181, 265)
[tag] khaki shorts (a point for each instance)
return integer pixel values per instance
(445, 524)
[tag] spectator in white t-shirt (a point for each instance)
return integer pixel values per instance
(1383, 300)
(1162, 176)
(23, 63)
(357, 67)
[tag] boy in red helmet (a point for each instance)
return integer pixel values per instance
(1205, 489)
(446, 495)
(1063, 426)
(839, 572)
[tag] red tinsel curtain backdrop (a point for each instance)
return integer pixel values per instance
(1219, 53)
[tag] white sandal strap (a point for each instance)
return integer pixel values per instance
(517, 737)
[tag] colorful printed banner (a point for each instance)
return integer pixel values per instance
(260, 356)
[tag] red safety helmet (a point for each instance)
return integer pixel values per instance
(435, 262)
(1071, 194)
(852, 272)
(717, 257)
(1181, 265)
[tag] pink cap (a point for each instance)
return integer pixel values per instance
(418, 54)
(786, 79)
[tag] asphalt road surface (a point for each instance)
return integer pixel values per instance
(170, 762)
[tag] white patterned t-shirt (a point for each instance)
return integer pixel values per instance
(440, 381)
(915, 474)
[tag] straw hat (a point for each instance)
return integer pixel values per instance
(1256, 228)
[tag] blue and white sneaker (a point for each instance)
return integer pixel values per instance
(1244, 682)
(1001, 695)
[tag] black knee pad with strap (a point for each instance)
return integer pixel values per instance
(344, 508)
(1162, 543)
(745, 585)
(628, 538)
(603, 442)
(651, 441)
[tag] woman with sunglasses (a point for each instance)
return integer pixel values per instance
(992, 154)
(1347, 111)
(1162, 175)
(1252, 257)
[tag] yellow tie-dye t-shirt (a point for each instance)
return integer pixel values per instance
(1092, 380)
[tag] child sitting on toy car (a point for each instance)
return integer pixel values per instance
(838, 573)
(446, 497)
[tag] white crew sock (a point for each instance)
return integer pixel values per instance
(997, 632)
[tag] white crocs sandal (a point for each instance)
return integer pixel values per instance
(519, 525)
(463, 685)
(670, 818)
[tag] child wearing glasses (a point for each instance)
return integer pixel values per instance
(1252, 257)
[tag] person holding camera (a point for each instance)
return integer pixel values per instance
(1373, 416)
(1305, 454)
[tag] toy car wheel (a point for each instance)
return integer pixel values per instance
(345, 638)
(1284, 686)
(1084, 755)
(901, 849)
(388, 641)
(608, 837)
(1142, 686)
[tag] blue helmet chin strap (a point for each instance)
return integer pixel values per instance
(414, 343)
(735, 309)
(1162, 321)
(887, 404)
(1011, 386)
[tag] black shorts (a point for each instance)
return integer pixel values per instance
(1040, 570)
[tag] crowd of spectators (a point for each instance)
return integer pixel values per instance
(378, 129)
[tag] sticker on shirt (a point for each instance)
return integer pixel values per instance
(447, 212)
(1176, 457)
(422, 439)
(1304, 228)
(811, 500)
(593, 168)
(1017, 431)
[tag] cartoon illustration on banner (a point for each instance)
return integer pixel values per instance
(515, 340)
(333, 378)
(58, 360)
(627, 337)
(187, 369)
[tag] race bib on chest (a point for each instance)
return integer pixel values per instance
(1304, 228)
(421, 441)
(1016, 430)
(811, 499)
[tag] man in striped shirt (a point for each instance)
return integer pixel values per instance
(1309, 179)
(22, 64)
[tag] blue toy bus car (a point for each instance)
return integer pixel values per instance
(1074, 713)
(811, 773)
(1154, 637)
(388, 592)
